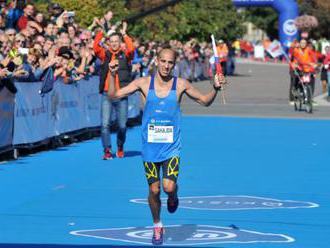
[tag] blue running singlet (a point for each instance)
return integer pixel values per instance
(161, 125)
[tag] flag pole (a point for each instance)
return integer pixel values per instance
(218, 68)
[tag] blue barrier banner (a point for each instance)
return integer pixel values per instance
(91, 101)
(67, 108)
(7, 100)
(31, 123)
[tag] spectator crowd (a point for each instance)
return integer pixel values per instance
(31, 43)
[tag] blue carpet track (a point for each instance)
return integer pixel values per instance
(244, 182)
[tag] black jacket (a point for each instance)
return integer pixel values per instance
(124, 70)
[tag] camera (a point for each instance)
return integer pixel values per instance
(70, 14)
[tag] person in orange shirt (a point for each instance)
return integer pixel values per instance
(223, 55)
(114, 55)
(306, 61)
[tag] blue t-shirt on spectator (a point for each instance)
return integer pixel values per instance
(12, 17)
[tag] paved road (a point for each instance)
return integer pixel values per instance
(259, 90)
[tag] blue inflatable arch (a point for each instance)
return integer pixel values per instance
(287, 10)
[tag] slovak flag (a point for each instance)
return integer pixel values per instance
(275, 49)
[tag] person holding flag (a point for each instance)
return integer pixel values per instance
(161, 142)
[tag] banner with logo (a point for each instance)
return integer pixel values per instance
(7, 100)
(275, 49)
(67, 108)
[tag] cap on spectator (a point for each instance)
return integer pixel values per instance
(65, 52)
(220, 41)
(56, 6)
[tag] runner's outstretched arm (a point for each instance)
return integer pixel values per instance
(205, 99)
(125, 91)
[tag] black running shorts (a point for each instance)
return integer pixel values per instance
(170, 168)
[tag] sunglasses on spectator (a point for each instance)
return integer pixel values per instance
(11, 34)
(77, 44)
(21, 41)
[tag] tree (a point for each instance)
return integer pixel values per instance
(193, 19)
(88, 9)
(320, 9)
(182, 21)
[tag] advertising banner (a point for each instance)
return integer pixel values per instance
(92, 102)
(66, 108)
(6, 117)
(275, 49)
(31, 115)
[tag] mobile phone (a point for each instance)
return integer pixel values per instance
(23, 51)
(70, 14)
(9, 73)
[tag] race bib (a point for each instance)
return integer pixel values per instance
(306, 78)
(160, 134)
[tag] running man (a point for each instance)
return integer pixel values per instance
(161, 143)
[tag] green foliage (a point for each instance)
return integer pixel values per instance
(86, 10)
(187, 19)
(320, 9)
(41, 6)
(192, 19)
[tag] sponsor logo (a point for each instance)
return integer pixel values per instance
(289, 27)
(186, 235)
(227, 202)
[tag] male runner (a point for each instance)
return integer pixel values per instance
(161, 143)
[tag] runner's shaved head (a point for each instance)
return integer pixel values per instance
(167, 49)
